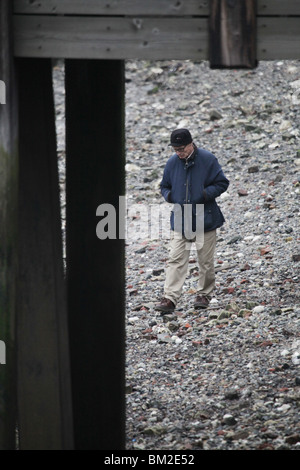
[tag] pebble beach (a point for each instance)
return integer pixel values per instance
(227, 377)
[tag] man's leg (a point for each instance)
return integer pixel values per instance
(205, 254)
(176, 267)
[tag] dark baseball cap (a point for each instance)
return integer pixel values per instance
(180, 137)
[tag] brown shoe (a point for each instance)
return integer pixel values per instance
(166, 305)
(201, 301)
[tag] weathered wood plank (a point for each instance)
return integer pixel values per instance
(110, 38)
(142, 7)
(95, 157)
(113, 7)
(232, 28)
(278, 38)
(143, 38)
(44, 396)
(8, 229)
(278, 7)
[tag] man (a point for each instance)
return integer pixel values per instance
(192, 180)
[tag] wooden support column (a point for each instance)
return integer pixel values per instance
(95, 267)
(232, 34)
(44, 396)
(8, 230)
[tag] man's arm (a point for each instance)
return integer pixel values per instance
(165, 186)
(218, 186)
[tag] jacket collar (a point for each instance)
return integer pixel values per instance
(188, 160)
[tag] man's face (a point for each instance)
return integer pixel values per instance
(184, 151)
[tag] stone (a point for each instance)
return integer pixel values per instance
(293, 439)
(296, 358)
(243, 434)
(229, 420)
(258, 309)
(235, 239)
(276, 311)
(169, 317)
(285, 407)
(231, 395)
(164, 338)
(155, 430)
(246, 267)
(253, 169)
(250, 127)
(173, 326)
(244, 313)
(132, 167)
(141, 250)
(224, 314)
(214, 114)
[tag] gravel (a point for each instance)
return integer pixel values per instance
(226, 377)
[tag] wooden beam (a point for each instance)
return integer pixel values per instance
(278, 38)
(156, 30)
(8, 229)
(232, 33)
(113, 7)
(143, 8)
(110, 38)
(44, 396)
(95, 268)
(278, 7)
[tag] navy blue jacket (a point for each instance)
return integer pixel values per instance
(198, 181)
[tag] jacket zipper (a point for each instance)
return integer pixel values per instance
(186, 184)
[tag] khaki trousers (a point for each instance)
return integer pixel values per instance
(178, 261)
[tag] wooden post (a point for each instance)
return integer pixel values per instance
(232, 34)
(8, 229)
(95, 268)
(44, 396)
